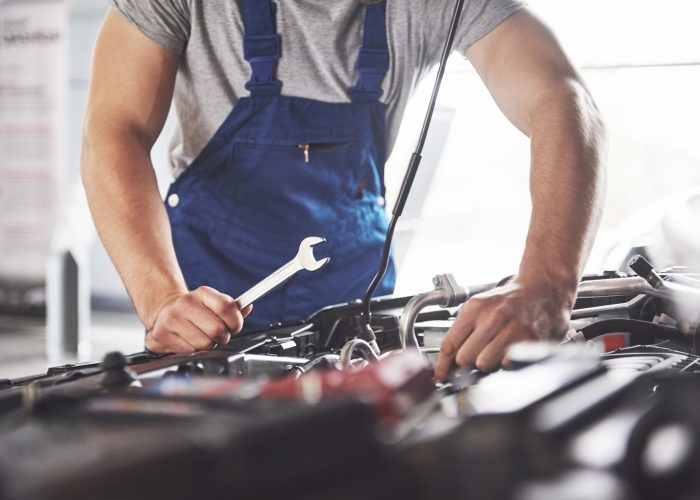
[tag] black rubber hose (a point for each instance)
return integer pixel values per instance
(322, 361)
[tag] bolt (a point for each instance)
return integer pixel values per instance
(437, 280)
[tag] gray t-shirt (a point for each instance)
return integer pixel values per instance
(320, 42)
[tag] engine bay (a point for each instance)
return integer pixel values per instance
(309, 410)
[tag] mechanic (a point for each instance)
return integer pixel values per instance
(317, 89)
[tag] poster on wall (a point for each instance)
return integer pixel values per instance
(34, 97)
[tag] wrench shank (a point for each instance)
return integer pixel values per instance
(274, 280)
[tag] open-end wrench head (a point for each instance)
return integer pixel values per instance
(306, 254)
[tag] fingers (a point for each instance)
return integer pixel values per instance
(490, 325)
(195, 321)
(494, 354)
(455, 337)
(174, 331)
(204, 322)
(201, 339)
(223, 306)
(482, 348)
(484, 328)
(164, 341)
(445, 362)
(245, 312)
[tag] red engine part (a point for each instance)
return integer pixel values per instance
(394, 385)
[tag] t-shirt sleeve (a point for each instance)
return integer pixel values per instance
(166, 22)
(478, 18)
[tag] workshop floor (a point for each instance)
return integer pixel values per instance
(22, 341)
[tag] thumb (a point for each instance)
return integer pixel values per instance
(247, 310)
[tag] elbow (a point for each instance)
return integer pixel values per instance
(87, 150)
(568, 107)
(95, 144)
(592, 121)
(589, 124)
(584, 113)
(594, 132)
(106, 143)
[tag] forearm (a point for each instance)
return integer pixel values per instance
(129, 215)
(539, 90)
(130, 92)
(541, 93)
(567, 184)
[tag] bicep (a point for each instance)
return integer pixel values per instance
(521, 62)
(132, 81)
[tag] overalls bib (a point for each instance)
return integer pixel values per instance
(282, 168)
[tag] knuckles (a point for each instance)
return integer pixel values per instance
(238, 324)
(512, 311)
(220, 330)
(156, 334)
(205, 290)
(472, 306)
(234, 322)
(150, 344)
(204, 345)
(482, 365)
(486, 365)
(462, 359)
(220, 308)
(189, 300)
(447, 348)
(180, 309)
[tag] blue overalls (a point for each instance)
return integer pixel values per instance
(282, 168)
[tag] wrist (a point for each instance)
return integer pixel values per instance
(152, 302)
(561, 285)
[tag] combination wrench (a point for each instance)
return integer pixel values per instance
(304, 259)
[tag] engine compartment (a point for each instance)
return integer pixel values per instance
(306, 410)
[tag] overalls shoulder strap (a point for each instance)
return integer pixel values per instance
(262, 49)
(261, 46)
(373, 60)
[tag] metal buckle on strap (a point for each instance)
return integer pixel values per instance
(261, 48)
(264, 88)
(373, 60)
(364, 95)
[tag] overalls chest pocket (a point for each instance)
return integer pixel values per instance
(296, 170)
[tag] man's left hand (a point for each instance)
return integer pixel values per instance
(538, 89)
(488, 323)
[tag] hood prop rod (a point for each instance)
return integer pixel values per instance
(366, 331)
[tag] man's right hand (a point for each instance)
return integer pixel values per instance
(131, 89)
(195, 321)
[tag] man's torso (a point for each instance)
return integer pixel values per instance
(320, 43)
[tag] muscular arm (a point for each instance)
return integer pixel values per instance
(537, 88)
(130, 93)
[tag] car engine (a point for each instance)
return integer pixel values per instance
(308, 410)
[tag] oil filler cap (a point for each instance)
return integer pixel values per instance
(116, 371)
